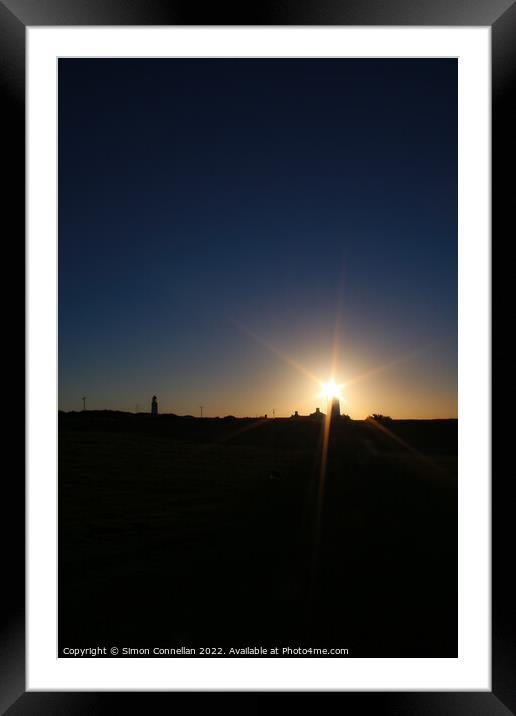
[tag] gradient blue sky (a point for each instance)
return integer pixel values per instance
(218, 219)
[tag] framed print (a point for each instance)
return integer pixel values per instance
(258, 365)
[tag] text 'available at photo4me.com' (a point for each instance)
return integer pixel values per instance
(159, 651)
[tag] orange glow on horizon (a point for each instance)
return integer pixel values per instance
(375, 398)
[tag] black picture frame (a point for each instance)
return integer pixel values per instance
(500, 15)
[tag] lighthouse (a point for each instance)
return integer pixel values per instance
(335, 408)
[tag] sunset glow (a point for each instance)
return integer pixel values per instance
(330, 390)
(202, 288)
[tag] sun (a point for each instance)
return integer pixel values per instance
(330, 390)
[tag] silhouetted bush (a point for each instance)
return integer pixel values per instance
(380, 418)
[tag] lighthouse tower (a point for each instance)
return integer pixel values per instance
(335, 408)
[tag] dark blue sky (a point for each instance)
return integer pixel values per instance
(214, 213)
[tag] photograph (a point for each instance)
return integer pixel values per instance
(257, 357)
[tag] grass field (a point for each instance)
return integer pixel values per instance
(180, 531)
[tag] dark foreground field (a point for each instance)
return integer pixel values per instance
(199, 533)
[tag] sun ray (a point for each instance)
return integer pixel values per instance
(274, 349)
(336, 336)
(385, 366)
(317, 524)
(396, 438)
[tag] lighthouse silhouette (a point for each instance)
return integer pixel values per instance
(335, 408)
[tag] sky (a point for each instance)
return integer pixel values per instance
(232, 232)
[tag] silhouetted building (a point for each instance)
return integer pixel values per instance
(154, 405)
(296, 415)
(317, 414)
(335, 408)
